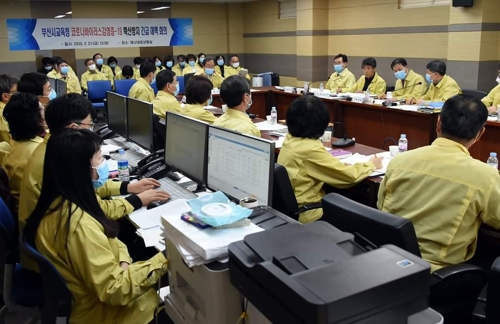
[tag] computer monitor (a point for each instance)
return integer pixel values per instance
(240, 165)
(186, 147)
(61, 87)
(117, 113)
(140, 123)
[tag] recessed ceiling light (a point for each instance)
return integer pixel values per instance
(160, 8)
(140, 12)
(69, 13)
(60, 16)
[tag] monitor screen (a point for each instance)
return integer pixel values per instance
(140, 123)
(117, 113)
(186, 146)
(240, 165)
(61, 88)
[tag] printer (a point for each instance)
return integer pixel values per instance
(316, 274)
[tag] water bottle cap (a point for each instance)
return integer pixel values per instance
(403, 135)
(121, 151)
(493, 154)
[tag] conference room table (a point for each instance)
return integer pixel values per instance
(371, 125)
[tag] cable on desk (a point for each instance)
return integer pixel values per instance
(385, 131)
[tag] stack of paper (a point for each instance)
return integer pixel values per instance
(106, 149)
(266, 126)
(358, 158)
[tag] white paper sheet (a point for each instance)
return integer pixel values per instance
(358, 158)
(407, 107)
(146, 219)
(112, 165)
(265, 126)
(151, 236)
(108, 148)
(279, 142)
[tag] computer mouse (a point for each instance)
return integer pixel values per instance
(252, 116)
(155, 204)
(107, 157)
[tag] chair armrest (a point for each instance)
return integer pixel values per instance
(448, 271)
(308, 207)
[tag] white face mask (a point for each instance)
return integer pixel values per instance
(236, 65)
(138, 67)
(498, 80)
(92, 67)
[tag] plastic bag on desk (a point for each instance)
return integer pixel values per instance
(237, 212)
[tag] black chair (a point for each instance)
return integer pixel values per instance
(283, 196)
(160, 132)
(487, 310)
(186, 79)
(57, 299)
(382, 228)
(475, 93)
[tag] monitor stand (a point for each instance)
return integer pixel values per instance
(199, 188)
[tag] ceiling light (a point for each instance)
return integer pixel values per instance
(69, 13)
(60, 16)
(160, 8)
(140, 12)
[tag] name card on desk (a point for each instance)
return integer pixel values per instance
(358, 99)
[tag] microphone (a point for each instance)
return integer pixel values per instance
(416, 84)
(309, 93)
(344, 142)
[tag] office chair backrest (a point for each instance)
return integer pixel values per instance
(5, 194)
(180, 80)
(123, 86)
(378, 227)
(8, 235)
(155, 88)
(160, 131)
(493, 295)
(475, 93)
(98, 89)
(187, 77)
(57, 299)
(283, 195)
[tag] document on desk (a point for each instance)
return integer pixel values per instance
(112, 165)
(407, 107)
(147, 219)
(108, 148)
(358, 158)
(265, 126)
(279, 142)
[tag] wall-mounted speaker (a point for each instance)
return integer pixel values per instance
(463, 3)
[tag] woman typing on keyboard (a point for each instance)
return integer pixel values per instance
(71, 230)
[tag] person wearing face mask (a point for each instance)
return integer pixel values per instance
(137, 67)
(209, 72)
(37, 84)
(125, 74)
(56, 59)
(442, 87)
(113, 64)
(169, 62)
(492, 100)
(181, 64)
(407, 84)
(142, 90)
(342, 77)
(370, 81)
(103, 68)
(201, 60)
(166, 100)
(220, 66)
(70, 229)
(191, 67)
(235, 68)
(235, 92)
(24, 113)
(92, 74)
(158, 64)
(61, 72)
(198, 95)
(46, 65)
(8, 87)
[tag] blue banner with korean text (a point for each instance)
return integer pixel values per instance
(48, 34)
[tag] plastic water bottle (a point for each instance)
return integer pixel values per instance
(321, 89)
(403, 143)
(492, 160)
(368, 99)
(306, 87)
(274, 116)
(388, 101)
(123, 171)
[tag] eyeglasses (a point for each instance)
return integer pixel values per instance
(91, 125)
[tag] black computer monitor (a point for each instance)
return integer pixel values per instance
(61, 87)
(186, 146)
(140, 123)
(240, 165)
(117, 113)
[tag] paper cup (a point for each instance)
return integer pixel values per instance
(268, 117)
(394, 150)
(327, 136)
(249, 202)
(224, 108)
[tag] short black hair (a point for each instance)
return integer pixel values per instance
(46, 60)
(88, 60)
(463, 117)
(369, 61)
(163, 78)
(234, 55)
(190, 57)
(343, 56)
(93, 57)
(146, 68)
(397, 61)
(437, 66)
(198, 90)
(59, 61)
(127, 71)
(220, 57)
(307, 117)
(67, 109)
(6, 83)
(138, 60)
(168, 58)
(181, 57)
(32, 82)
(233, 89)
(208, 59)
(112, 59)
(201, 54)
(54, 59)
(24, 116)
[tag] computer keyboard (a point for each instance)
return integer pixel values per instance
(175, 190)
(118, 141)
(132, 157)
